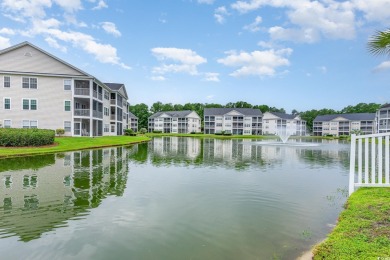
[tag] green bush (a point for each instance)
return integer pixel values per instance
(143, 131)
(60, 131)
(157, 131)
(219, 133)
(227, 133)
(19, 137)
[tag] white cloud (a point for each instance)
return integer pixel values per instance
(100, 5)
(258, 63)
(209, 97)
(254, 27)
(209, 2)
(383, 66)
(4, 43)
(220, 13)
(69, 5)
(7, 31)
(53, 43)
(71, 19)
(158, 78)
(323, 69)
(211, 76)
(22, 8)
(110, 28)
(374, 11)
(185, 61)
(296, 35)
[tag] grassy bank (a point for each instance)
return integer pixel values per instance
(363, 230)
(63, 144)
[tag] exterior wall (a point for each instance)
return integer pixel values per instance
(233, 122)
(342, 126)
(168, 124)
(383, 120)
(272, 124)
(17, 60)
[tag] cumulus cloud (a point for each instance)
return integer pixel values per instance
(211, 76)
(101, 4)
(180, 61)
(4, 42)
(383, 66)
(254, 27)
(7, 31)
(34, 13)
(110, 28)
(220, 13)
(256, 63)
(158, 78)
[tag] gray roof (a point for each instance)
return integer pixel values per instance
(116, 87)
(223, 111)
(351, 117)
(132, 115)
(385, 106)
(173, 113)
(283, 115)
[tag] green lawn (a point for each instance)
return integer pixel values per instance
(363, 230)
(73, 143)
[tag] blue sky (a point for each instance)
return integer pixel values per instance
(297, 54)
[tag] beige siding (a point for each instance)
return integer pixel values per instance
(38, 62)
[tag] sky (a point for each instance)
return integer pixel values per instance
(299, 54)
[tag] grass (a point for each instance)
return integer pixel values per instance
(363, 230)
(63, 144)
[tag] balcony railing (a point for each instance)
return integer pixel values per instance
(112, 117)
(82, 112)
(81, 91)
(97, 114)
(112, 102)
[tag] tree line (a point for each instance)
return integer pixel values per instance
(143, 111)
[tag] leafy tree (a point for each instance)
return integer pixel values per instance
(156, 107)
(310, 115)
(294, 112)
(142, 112)
(379, 43)
(361, 108)
(263, 108)
(168, 107)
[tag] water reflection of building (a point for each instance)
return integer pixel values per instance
(169, 146)
(35, 201)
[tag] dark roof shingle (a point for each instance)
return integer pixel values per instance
(351, 117)
(172, 113)
(223, 111)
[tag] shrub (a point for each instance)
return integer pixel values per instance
(19, 137)
(218, 133)
(60, 131)
(157, 131)
(193, 133)
(130, 132)
(227, 133)
(143, 131)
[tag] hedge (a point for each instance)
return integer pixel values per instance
(19, 137)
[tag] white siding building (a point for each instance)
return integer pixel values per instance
(344, 124)
(275, 121)
(39, 90)
(237, 121)
(175, 122)
(133, 122)
(383, 119)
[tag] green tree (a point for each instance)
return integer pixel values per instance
(142, 112)
(361, 108)
(156, 107)
(379, 43)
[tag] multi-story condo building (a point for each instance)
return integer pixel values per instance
(237, 121)
(175, 122)
(39, 90)
(133, 122)
(383, 119)
(344, 124)
(273, 122)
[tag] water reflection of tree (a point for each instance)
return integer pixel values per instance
(63, 188)
(27, 162)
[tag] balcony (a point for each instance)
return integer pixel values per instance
(97, 95)
(97, 114)
(81, 91)
(112, 117)
(81, 112)
(113, 102)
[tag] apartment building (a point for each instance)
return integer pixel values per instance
(39, 90)
(175, 122)
(237, 121)
(344, 124)
(273, 122)
(133, 122)
(383, 119)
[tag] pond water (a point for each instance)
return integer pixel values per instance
(173, 198)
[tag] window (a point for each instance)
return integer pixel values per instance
(67, 105)
(106, 96)
(67, 126)
(30, 83)
(7, 123)
(7, 81)
(33, 124)
(26, 123)
(106, 128)
(7, 103)
(29, 104)
(106, 111)
(67, 84)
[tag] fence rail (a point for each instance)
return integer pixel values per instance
(369, 161)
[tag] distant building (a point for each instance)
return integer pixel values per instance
(237, 121)
(383, 119)
(133, 122)
(275, 121)
(175, 122)
(344, 124)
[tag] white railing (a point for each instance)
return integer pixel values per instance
(369, 161)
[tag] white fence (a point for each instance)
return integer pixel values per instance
(369, 161)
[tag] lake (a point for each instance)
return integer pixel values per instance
(173, 198)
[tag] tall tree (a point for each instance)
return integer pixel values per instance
(379, 43)
(142, 112)
(156, 107)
